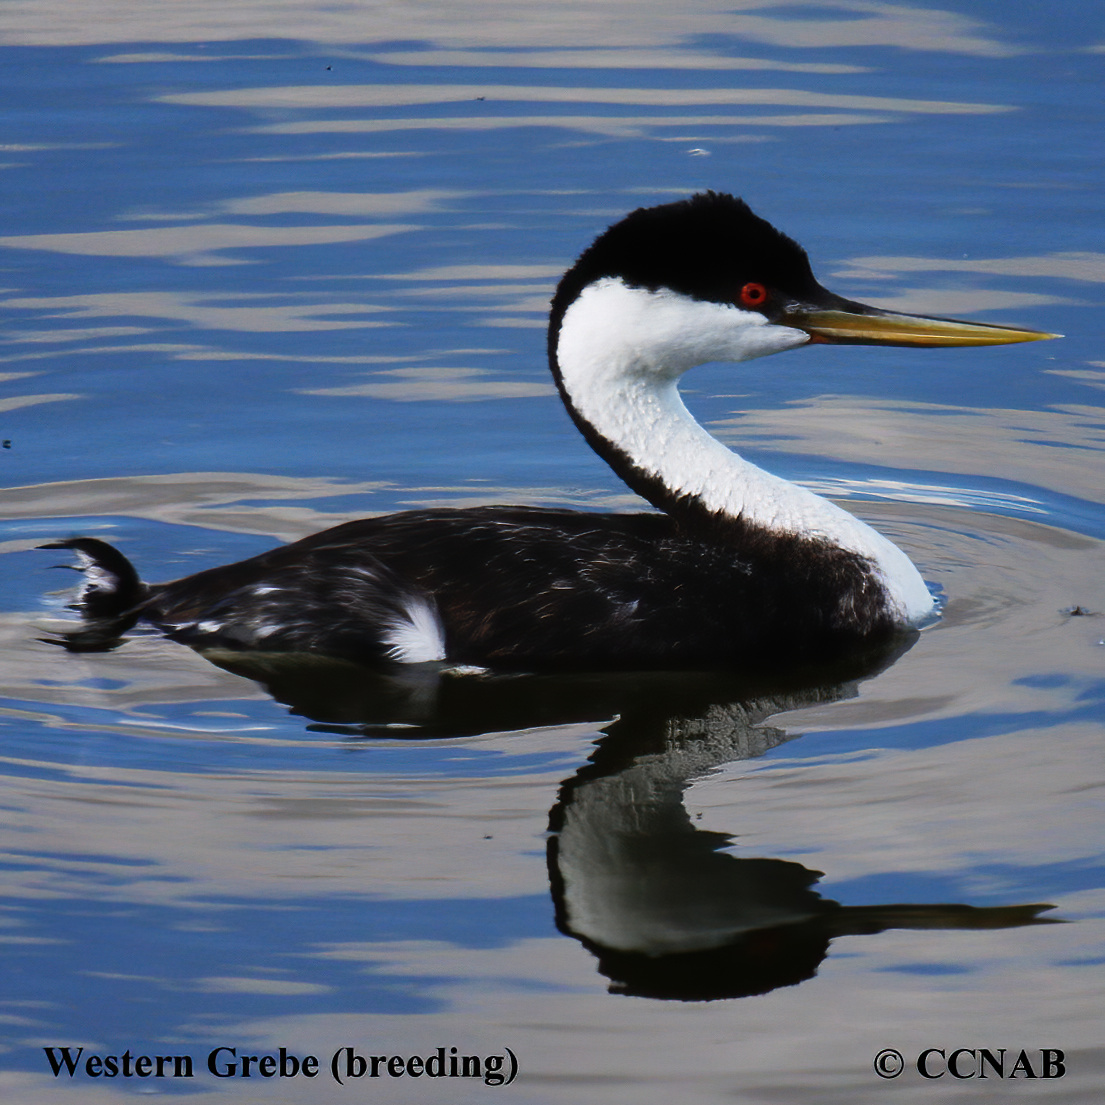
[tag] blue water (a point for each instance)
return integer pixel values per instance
(254, 283)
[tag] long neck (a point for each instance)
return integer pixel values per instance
(619, 380)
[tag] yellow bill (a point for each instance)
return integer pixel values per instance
(886, 328)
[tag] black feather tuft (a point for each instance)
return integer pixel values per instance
(109, 597)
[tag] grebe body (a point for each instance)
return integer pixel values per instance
(736, 566)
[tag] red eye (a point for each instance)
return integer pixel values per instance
(753, 295)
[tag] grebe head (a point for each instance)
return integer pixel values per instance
(704, 279)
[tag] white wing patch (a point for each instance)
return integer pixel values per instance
(418, 637)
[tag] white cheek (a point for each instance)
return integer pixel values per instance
(764, 339)
(615, 328)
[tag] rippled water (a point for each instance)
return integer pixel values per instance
(267, 267)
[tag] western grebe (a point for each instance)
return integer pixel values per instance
(736, 566)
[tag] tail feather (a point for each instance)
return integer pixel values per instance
(109, 597)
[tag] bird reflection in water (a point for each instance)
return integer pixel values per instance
(665, 909)
(669, 913)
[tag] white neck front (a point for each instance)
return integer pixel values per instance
(621, 351)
